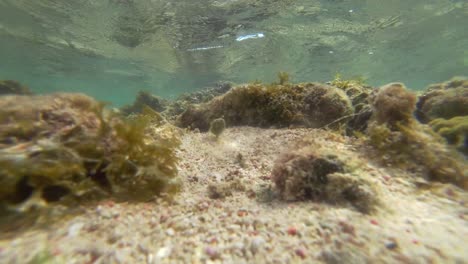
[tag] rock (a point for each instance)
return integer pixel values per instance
(395, 133)
(310, 171)
(444, 100)
(60, 147)
(143, 99)
(307, 104)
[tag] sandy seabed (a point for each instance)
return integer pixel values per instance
(247, 223)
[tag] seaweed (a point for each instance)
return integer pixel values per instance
(76, 150)
(272, 105)
(402, 141)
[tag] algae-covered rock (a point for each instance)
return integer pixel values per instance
(13, 87)
(68, 148)
(402, 141)
(311, 171)
(306, 104)
(143, 99)
(393, 104)
(359, 94)
(454, 130)
(217, 126)
(444, 100)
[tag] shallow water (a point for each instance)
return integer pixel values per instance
(110, 49)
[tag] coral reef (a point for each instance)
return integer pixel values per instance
(444, 100)
(256, 104)
(401, 140)
(67, 148)
(143, 99)
(310, 171)
(13, 87)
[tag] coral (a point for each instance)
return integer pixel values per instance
(143, 99)
(306, 104)
(68, 148)
(402, 141)
(311, 171)
(217, 126)
(454, 130)
(445, 100)
(13, 87)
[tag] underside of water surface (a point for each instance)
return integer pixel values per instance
(111, 49)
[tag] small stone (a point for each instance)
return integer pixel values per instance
(292, 231)
(257, 242)
(170, 232)
(391, 245)
(212, 252)
(301, 253)
(163, 252)
(75, 229)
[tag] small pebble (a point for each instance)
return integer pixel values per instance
(301, 253)
(163, 252)
(170, 232)
(391, 245)
(292, 231)
(257, 242)
(212, 252)
(75, 229)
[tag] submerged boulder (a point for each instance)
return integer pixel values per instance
(275, 105)
(444, 100)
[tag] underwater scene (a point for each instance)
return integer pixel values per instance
(233, 131)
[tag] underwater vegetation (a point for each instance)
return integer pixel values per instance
(454, 130)
(358, 92)
(13, 87)
(272, 105)
(444, 107)
(143, 99)
(311, 171)
(68, 148)
(444, 100)
(401, 140)
(217, 127)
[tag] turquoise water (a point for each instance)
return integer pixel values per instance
(111, 49)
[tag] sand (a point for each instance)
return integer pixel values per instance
(228, 212)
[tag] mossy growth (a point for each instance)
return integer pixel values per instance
(217, 127)
(75, 150)
(273, 105)
(283, 78)
(454, 130)
(145, 99)
(341, 83)
(311, 171)
(402, 141)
